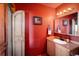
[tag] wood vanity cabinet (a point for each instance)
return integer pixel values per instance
(61, 51)
(54, 49)
(50, 48)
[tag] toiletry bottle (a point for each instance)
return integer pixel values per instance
(59, 31)
(49, 30)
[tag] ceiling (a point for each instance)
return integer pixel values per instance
(52, 5)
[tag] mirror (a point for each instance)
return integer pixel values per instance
(67, 24)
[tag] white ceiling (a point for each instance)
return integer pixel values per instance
(52, 5)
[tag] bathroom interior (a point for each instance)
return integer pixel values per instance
(39, 29)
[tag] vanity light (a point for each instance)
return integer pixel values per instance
(64, 10)
(61, 13)
(69, 9)
(57, 13)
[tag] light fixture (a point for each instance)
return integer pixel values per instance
(57, 13)
(64, 10)
(69, 9)
(61, 13)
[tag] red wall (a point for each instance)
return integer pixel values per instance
(36, 34)
(2, 38)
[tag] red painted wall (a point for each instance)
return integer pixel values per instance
(2, 39)
(2, 29)
(36, 34)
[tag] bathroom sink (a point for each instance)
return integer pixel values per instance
(59, 41)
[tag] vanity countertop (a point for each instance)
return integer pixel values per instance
(69, 46)
(51, 38)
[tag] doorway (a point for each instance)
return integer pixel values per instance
(16, 33)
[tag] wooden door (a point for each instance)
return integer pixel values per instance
(19, 33)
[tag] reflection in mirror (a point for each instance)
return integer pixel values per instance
(73, 24)
(67, 24)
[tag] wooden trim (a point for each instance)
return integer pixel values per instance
(5, 21)
(13, 7)
(3, 48)
(3, 44)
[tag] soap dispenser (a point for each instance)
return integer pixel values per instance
(49, 30)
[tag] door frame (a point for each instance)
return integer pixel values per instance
(9, 28)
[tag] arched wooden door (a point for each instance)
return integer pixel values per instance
(18, 33)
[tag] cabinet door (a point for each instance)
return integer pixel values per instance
(50, 48)
(61, 51)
